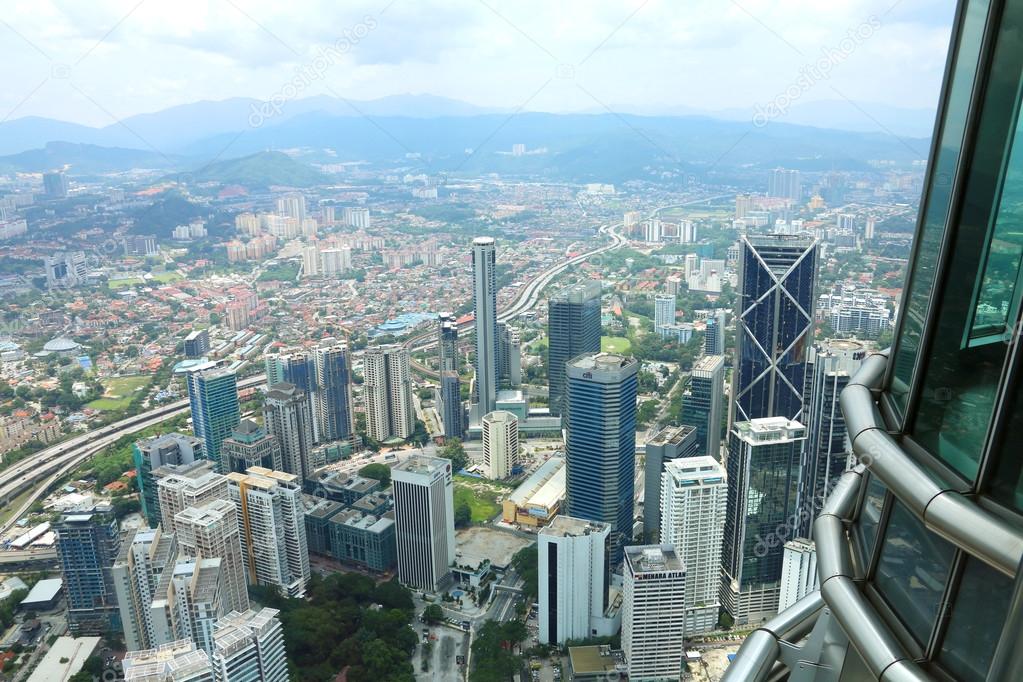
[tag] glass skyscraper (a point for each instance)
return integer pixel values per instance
(573, 328)
(702, 403)
(774, 325)
(601, 443)
(919, 547)
(484, 304)
(213, 398)
(333, 397)
(87, 543)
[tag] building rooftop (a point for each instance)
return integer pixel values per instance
(700, 470)
(591, 660)
(43, 591)
(571, 527)
(708, 363)
(653, 559)
(423, 465)
(770, 430)
(66, 657)
(602, 361)
(671, 435)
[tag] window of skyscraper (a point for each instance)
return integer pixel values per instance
(912, 571)
(975, 622)
(870, 516)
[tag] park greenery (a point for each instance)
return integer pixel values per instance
(379, 472)
(493, 655)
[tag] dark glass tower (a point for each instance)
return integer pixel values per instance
(774, 325)
(333, 398)
(601, 444)
(213, 397)
(573, 328)
(484, 303)
(703, 402)
(87, 544)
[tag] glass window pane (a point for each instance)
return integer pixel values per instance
(963, 370)
(1006, 484)
(975, 624)
(870, 515)
(932, 226)
(912, 571)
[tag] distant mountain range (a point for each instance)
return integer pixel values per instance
(435, 135)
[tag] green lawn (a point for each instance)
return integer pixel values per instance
(122, 283)
(615, 344)
(119, 392)
(483, 504)
(164, 277)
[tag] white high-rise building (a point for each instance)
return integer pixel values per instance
(212, 531)
(272, 523)
(387, 392)
(424, 519)
(798, 572)
(189, 602)
(141, 561)
(653, 616)
(693, 498)
(335, 261)
(310, 261)
(187, 485)
(356, 217)
(664, 311)
(292, 206)
(500, 443)
(177, 661)
(653, 230)
(484, 300)
(573, 578)
(249, 646)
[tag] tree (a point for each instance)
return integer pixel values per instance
(380, 472)
(433, 613)
(455, 451)
(463, 514)
(525, 563)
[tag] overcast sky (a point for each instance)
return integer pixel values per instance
(92, 62)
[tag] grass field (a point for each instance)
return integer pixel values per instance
(615, 344)
(122, 283)
(482, 502)
(119, 392)
(164, 277)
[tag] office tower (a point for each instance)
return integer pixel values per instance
(141, 561)
(87, 543)
(187, 485)
(785, 184)
(509, 355)
(714, 336)
(249, 645)
(671, 442)
(573, 328)
(212, 531)
(574, 576)
(424, 519)
(298, 368)
(500, 443)
(334, 407)
(55, 185)
(197, 344)
(484, 305)
(452, 412)
(271, 519)
(292, 206)
(213, 397)
(774, 326)
(447, 342)
(251, 446)
(825, 454)
(387, 391)
(693, 499)
(920, 545)
(287, 418)
(763, 483)
(664, 310)
(601, 443)
(152, 453)
(798, 572)
(654, 614)
(177, 661)
(702, 404)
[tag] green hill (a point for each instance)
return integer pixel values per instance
(262, 169)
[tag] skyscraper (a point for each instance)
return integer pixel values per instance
(714, 336)
(573, 328)
(152, 453)
(920, 545)
(693, 498)
(798, 572)
(825, 454)
(387, 392)
(574, 575)
(249, 645)
(447, 342)
(654, 614)
(271, 519)
(785, 184)
(251, 446)
(334, 409)
(763, 483)
(484, 303)
(509, 355)
(669, 443)
(424, 520)
(664, 310)
(178, 661)
(287, 418)
(451, 409)
(213, 397)
(601, 443)
(297, 367)
(702, 404)
(500, 443)
(55, 185)
(187, 485)
(143, 557)
(774, 326)
(87, 544)
(212, 530)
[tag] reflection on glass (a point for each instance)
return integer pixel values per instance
(976, 622)
(912, 571)
(870, 516)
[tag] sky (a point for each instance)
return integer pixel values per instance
(100, 61)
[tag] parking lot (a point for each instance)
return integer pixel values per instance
(446, 645)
